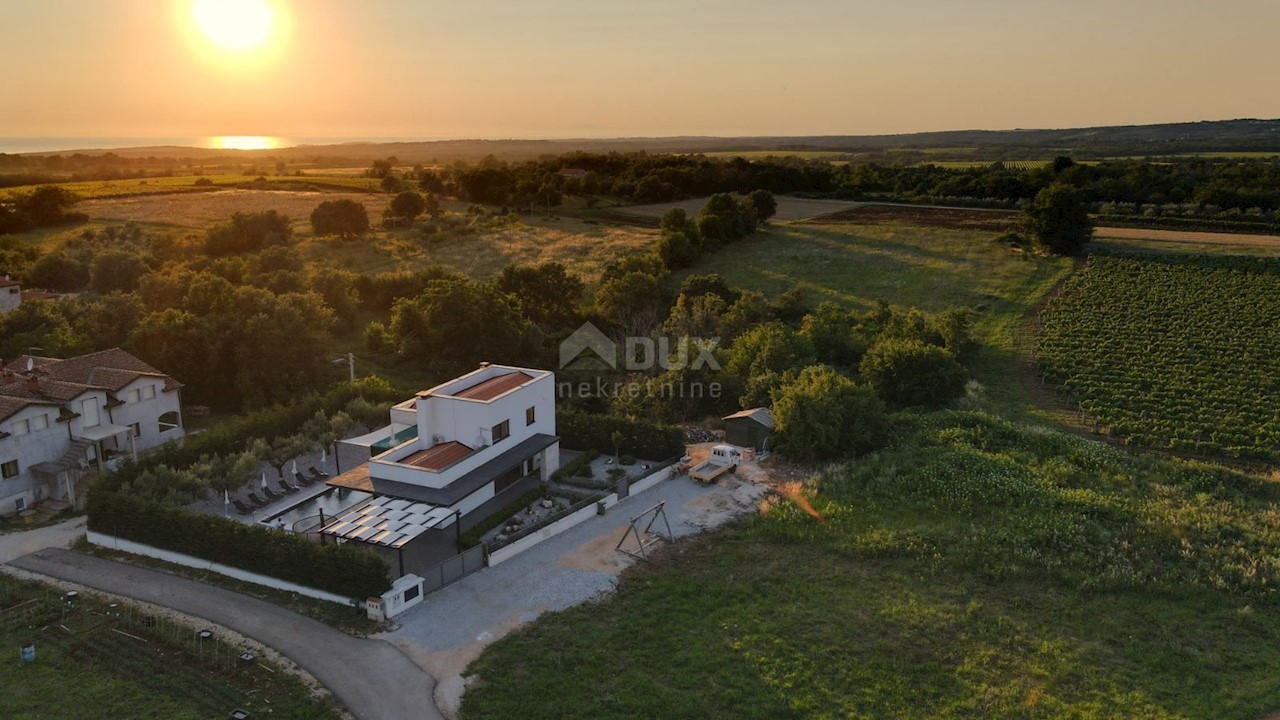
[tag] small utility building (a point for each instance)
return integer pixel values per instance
(749, 428)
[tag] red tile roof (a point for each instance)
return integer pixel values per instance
(438, 457)
(494, 386)
(109, 369)
(8, 283)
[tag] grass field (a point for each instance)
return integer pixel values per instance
(98, 661)
(790, 209)
(89, 190)
(200, 210)
(1173, 352)
(973, 570)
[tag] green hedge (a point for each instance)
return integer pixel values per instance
(585, 431)
(471, 538)
(577, 467)
(345, 570)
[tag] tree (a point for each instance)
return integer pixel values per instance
(408, 204)
(831, 329)
(763, 203)
(179, 342)
(431, 206)
(116, 271)
(909, 372)
(548, 294)
(676, 250)
(56, 271)
(285, 448)
(634, 302)
(344, 218)
(713, 283)
(47, 205)
(1058, 220)
(823, 415)
(247, 233)
(455, 324)
(338, 288)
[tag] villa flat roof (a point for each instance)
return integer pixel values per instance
(438, 457)
(494, 386)
(358, 478)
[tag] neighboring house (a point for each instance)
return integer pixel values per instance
(749, 428)
(60, 417)
(577, 173)
(10, 294)
(482, 440)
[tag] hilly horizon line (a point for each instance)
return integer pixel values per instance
(716, 143)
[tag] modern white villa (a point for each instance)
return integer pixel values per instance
(59, 418)
(459, 452)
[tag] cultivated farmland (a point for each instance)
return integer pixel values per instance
(1173, 352)
(199, 210)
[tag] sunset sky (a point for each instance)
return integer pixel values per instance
(604, 68)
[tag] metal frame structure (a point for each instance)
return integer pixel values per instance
(653, 513)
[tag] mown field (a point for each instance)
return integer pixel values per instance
(91, 189)
(974, 569)
(1173, 352)
(99, 661)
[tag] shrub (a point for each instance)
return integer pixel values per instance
(342, 569)
(471, 538)
(588, 431)
(577, 467)
(909, 372)
(822, 414)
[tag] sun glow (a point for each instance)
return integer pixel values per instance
(235, 25)
(244, 142)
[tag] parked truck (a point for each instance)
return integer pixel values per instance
(722, 460)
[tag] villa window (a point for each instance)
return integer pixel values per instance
(530, 416)
(502, 431)
(9, 470)
(21, 427)
(39, 422)
(148, 392)
(89, 414)
(169, 421)
(133, 396)
(137, 429)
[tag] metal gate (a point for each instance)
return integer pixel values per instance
(454, 569)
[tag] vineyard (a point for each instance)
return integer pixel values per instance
(1180, 353)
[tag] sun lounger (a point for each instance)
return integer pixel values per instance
(257, 501)
(317, 474)
(303, 480)
(289, 487)
(241, 507)
(271, 494)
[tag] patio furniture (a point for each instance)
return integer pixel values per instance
(272, 495)
(303, 480)
(317, 474)
(289, 487)
(241, 507)
(257, 501)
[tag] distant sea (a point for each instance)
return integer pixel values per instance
(15, 145)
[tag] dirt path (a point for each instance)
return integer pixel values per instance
(1193, 237)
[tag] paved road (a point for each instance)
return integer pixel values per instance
(24, 542)
(374, 679)
(452, 627)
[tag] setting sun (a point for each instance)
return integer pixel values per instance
(236, 25)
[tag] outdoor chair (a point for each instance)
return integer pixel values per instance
(257, 501)
(241, 507)
(289, 487)
(303, 480)
(317, 474)
(271, 494)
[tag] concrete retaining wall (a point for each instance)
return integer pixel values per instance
(507, 552)
(115, 543)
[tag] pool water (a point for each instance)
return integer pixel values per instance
(333, 502)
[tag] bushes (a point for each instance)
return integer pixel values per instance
(585, 431)
(471, 538)
(342, 569)
(909, 372)
(577, 467)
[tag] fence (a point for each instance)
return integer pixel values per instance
(454, 569)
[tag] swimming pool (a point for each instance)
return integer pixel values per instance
(333, 502)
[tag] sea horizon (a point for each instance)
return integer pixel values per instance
(21, 145)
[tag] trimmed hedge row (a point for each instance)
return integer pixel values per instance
(471, 538)
(642, 438)
(341, 569)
